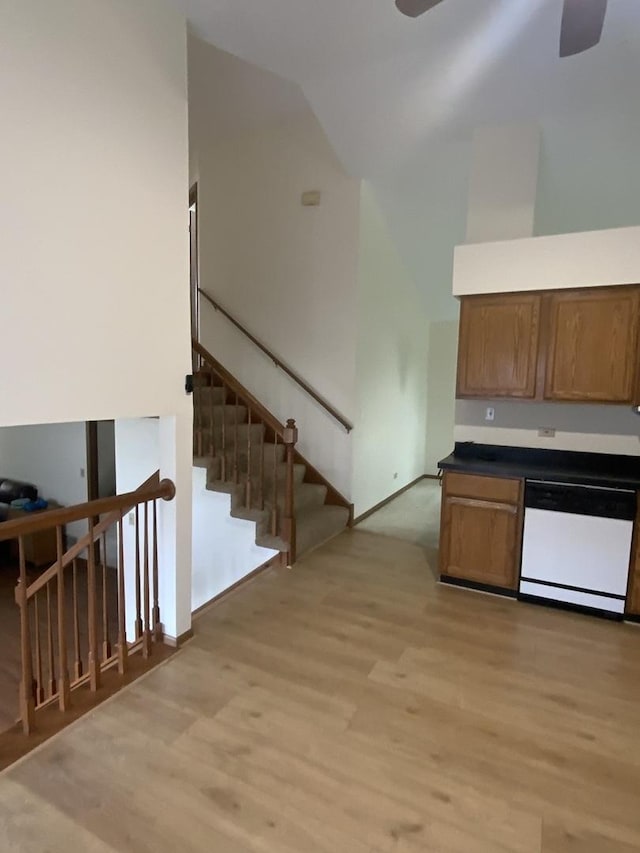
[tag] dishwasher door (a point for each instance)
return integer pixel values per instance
(576, 545)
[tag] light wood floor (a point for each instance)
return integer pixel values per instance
(353, 705)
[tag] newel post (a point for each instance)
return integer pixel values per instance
(290, 437)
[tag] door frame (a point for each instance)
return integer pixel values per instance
(194, 263)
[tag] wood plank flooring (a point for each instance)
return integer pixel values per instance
(353, 705)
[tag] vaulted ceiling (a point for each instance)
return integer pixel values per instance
(382, 84)
(398, 97)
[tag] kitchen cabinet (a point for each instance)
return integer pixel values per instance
(480, 530)
(498, 348)
(593, 345)
(563, 345)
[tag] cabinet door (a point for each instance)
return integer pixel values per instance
(478, 541)
(593, 345)
(498, 348)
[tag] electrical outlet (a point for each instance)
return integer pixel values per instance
(546, 432)
(490, 414)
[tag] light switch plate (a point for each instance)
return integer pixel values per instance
(490, 414)
(311, 198)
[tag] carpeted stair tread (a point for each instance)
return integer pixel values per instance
(319, 524)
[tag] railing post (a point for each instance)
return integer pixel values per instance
(290, 437)
(64, 688)
(27, 704)
(92, 613)
(123, 650)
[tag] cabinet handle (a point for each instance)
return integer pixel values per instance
(484, 504)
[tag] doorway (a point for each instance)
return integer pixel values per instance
(101, 459)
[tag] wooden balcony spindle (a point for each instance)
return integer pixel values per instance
(138, 622)
(77, 654)
(223, 463)
(146, 631)
(198, 411)
(122, 623)
(53, 689)
(236, 473)
(157, 625)
(26, 682)
(106, 642)
(39, 684)
(274, 511)
(92, 613)
(64, 687)
(249, 471)
(289, 525)
(261, 464)
(212, 439)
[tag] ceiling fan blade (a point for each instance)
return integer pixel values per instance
(415, 8)
(582, 22)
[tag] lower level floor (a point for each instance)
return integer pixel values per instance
(354, 704)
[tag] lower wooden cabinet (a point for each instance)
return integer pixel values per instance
(481, 530)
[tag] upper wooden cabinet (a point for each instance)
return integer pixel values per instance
(498, 347)
(593, 345)
(575, 345)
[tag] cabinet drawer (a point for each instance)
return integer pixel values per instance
(483, 488)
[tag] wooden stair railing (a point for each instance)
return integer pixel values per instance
(279, 362)
(242, 458)
(67, 642)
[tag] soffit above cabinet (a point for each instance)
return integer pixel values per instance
(557, 262)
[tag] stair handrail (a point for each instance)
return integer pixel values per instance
(101, 515)
(279, 363)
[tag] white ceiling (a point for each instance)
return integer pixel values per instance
(383, 84)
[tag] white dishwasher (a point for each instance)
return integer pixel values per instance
(576, 546)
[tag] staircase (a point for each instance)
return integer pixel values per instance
(251, 456)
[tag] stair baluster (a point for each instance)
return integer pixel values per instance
(212, 426)
(274, 510)
(289, 525)
(261, 464)
(236, 466)
(223, 462)
(64, 687)
(249, 472)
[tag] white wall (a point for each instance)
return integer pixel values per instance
(224, 548)
(589, 177)
(93, 238)
(441, 391)
(393, 339)
(286, 272)
(502, 186)
(51, 457)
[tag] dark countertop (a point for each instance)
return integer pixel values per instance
(558, 466)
